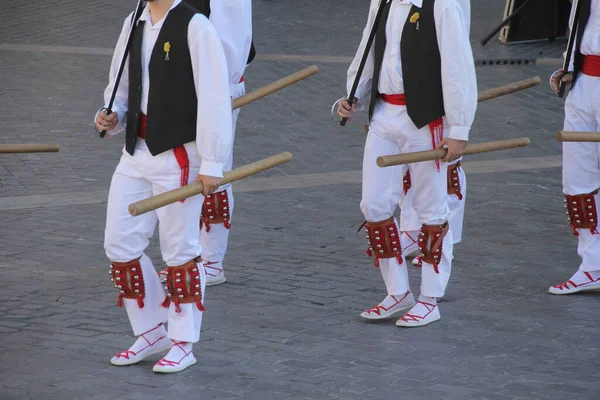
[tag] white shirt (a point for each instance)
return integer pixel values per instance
(232, 20)
(214, 135)
(459, 81)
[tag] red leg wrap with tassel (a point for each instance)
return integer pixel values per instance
(383, 240)
(215, 210)
(183, 285)
(582, 212)
(129, 279)
(431, 240)
(454, 180)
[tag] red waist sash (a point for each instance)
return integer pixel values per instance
(591, 66)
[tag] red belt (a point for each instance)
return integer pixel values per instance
(436, 127)
(591, 66)
(395, 99)
(180, 153)
(241, 79)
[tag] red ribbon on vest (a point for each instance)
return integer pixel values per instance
(436, 127)
(180, 152)
(591, 66)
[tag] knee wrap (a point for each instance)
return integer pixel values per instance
(581, 211)
(431, 240)
(383, 240)
(454, 180)
(183, 285)
(215, 210)
(129, 279)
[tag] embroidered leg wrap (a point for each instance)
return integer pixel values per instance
(431, 240)
(129, 279)
(215, 210)
(383, 240)
(581, 211)
(406, 182)
(454, 180)
(183, 285)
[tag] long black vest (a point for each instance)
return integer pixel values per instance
(172, 102)
(421, 65)
(584, 17)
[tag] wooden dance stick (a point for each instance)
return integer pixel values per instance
(578, 136)
(508, 89)
(29, 148)
(274, 87)
(173, 196)
(399, 159)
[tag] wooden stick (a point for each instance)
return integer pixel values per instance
(507, 89)
(578, 136)
(400, 159)
(173, 196)
(274, 87)
(29, 148)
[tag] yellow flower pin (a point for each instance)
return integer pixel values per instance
(167, 49)
(414, 18)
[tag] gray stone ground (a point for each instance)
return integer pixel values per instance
(286, 324)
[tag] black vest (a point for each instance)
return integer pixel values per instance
(421, 65)
(172, 101)
(203, 7)
(584, 17)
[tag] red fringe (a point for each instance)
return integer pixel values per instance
(437, 135)
(140, 301)
(406, 182)
(200, 305)
(166, 303)
(120, 301)
(227, 224)
(184, 163)
(399, 258)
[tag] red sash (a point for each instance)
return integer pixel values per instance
(591, 66)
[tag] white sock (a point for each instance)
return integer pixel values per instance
(580, 277)
(391, 300)
(427, 299)
(149, 338)
(179, 351)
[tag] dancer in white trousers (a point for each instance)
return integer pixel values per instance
(581, 161)
(457, 191)
(173, 102)
(232, 20)
(421, 74)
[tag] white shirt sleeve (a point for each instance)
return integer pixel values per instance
(459, 81)
(214, 130)
(232, 20)
(120, 103)
(364, 84)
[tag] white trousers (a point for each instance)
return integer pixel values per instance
(214, 243)
(138, 177)
(409, 219)
(581, 161)
(393, 132)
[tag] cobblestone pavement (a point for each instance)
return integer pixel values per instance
(285, 325)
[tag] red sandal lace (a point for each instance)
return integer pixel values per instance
(163, 362)
(378, 308)
(565, 285)
(127, 353)
(408, 317)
